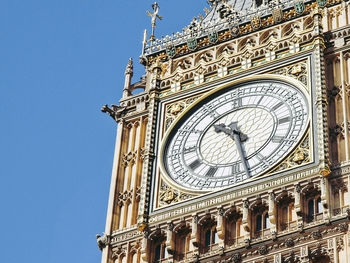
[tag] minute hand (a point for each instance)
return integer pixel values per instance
(235, 134)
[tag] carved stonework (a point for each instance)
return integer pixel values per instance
(129, 158)
(118, 252)
(340, 243)
(343, 227)
(169, 195)
(102, 241)
(125, 197)
(338, 185)
(289, 242)
(317, 234)
(138, 194)
(301, 156)
(263, 250)
(296, 71)
(175, 109)
(236, 258)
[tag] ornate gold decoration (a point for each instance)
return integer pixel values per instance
(300, 156)
(164, 68)
(296, 71)
(142, 227)
(256, 24)
(277, 15)
(169, 195)
(174, 110)
(325, 172)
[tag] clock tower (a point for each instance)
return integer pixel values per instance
(237, 149)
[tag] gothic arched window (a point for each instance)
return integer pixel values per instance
(313, 208)
(157, 247)
(160, 252)
(233, 225)
(182, 242)
(285, 209)
(208, 234)
(260, 219)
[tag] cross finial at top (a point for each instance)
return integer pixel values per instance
(154, 17)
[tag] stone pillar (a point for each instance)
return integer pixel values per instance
(199, 77)
(149, 147)
(343, 20)
(304, 254)
(272, 212)
(325, 19)
(245, 220)
(344, 103)
(298, 206)
(220, 228)
(129, 72)
(170, 238)
(194, 235)
(222, 71)
(325, 197)
(112, 193)
(321, 91)
(145, 246)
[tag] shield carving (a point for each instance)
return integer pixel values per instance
(171, 50)
(322, 3)
(256, 22)
(213, 37)
(299, 7)
(192, 44)
(234, 29)
(277, 15)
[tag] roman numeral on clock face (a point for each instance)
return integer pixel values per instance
(195, 164)
(236, 168)
(277, 106)
(190, 149)
(283, 120)
(211, 172)
(277, 139)
(237, 103)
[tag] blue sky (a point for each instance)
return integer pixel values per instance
(60, 61)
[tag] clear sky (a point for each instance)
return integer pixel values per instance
(60, 61)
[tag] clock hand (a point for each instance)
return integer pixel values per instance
(235, 134)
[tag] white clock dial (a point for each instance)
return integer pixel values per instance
(235, 134)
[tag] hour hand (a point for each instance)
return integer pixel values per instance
(235, 130)
(222, 128)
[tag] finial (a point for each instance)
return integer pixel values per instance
(154, 17)
(130, 67)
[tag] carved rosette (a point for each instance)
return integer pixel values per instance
(175, 109)
(129, 158)
(296, 71)
(300, 156)
(125, 197)
(169, 195)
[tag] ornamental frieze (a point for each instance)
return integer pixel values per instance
(197, 36)
(234, 194)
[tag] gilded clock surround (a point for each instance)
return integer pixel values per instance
(216, 90)
(297, 71)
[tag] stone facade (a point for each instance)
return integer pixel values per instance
(299, 211)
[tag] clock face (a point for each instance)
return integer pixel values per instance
(235, 134)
